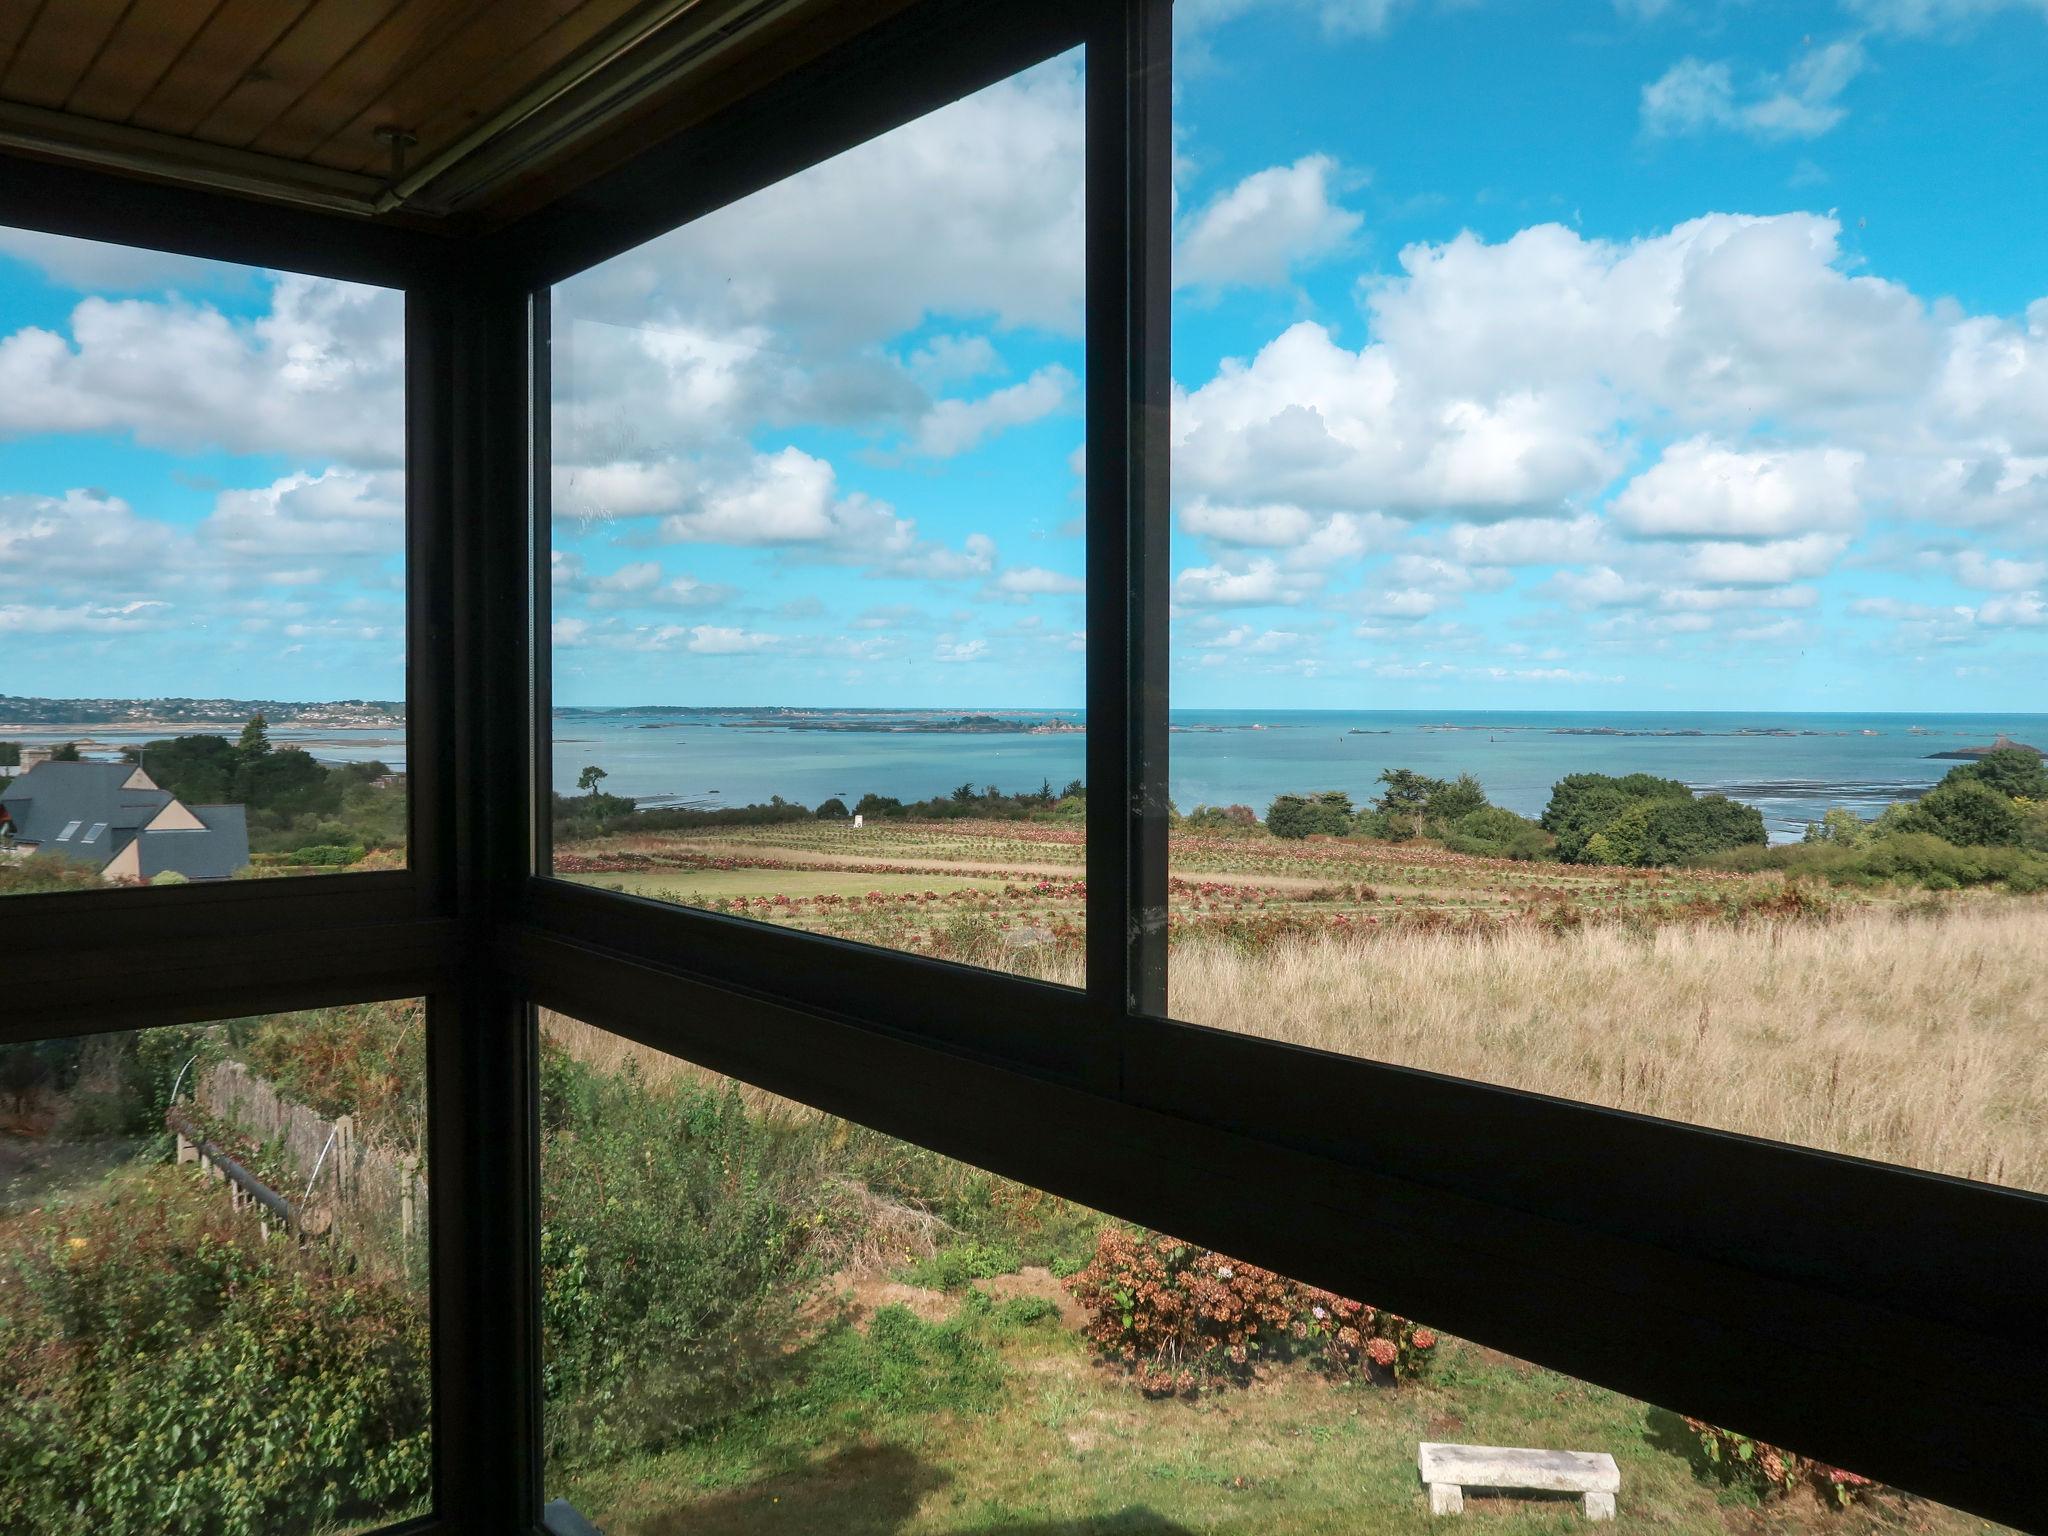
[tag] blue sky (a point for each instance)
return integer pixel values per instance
(1656, 354)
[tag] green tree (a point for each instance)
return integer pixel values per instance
(199, 770)
(255, 738)
(1327, 813)
(872, 806)
(832, 810)
(1968, 813)
(2013, 771)
(10, 754)
(1584, 803)
(1459, 798)
(1840, 826)
(65, 752)
(590, 778)
(1409, 792)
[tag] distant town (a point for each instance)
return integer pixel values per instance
(22, 712)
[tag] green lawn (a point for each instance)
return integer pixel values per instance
(1068, 1449)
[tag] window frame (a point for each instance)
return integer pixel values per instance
(1882, 1318)
(1784, 1289)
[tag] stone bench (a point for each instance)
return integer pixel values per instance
(1448, 1470)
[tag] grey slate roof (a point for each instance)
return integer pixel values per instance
(51, 795)
(48, 799)
(215, 854)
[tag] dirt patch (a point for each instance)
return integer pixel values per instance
(1034, 1280)
(857, 1298)
(43, 1173)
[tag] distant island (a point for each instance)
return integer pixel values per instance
(959, 725)
(1972, 754)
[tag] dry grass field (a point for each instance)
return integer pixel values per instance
(1911, 1037)
(1886, 1024)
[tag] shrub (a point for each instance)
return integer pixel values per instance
(1293, 816)
(162, 1370)
(326, 854)
(1966, 812)
(1182, 1318)
(963, 1263)
(1770, 1472)
(833, 810)
(1221, 818)
(1494, 833)
(676, 1230)
(1903, 858)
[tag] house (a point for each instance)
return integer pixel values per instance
(115, 815)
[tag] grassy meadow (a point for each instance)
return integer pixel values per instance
(1896, 1024)
(930, 1375)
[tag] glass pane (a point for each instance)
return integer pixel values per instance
(202, 595)
(1609, 552)
(852, 1334)
(214, 1277)
(818, 559)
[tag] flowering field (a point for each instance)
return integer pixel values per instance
(961, 889)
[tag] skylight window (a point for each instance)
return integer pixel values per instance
(93, 834)
(69, 828)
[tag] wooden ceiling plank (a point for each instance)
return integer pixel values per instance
(151, 39)
(522, 69)
(233, 40)
(413, 32)
(460, 75)
(60, 47)
(16, 22)
(326, 33)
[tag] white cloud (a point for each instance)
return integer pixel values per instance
(1258, 583)
(860, 248)
(951, 648)
(1308, 422)
(1921, 17)
(81, 541)
(1526, 540)
(1037, 581)
(2021, 610)
(716, 640)
(1693, 96)
(93, 266)
(954, 426)
(1401, 603)
(1987, 574)
(1270, 526)
(1258, 231)
(319, 376)
(1704, 488)
(340, 512)
(1600, 587)
(1715, 599)
(1774, 563)
(85, 618)
(954, 359)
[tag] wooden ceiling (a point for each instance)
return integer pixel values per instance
(313, 92)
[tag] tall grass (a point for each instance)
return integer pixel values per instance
(1918, 1038)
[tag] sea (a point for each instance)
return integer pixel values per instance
(1792, 767)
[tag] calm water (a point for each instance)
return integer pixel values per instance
(1249, 757)
(1791, 767)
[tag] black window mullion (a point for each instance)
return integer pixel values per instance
(1148, 181)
